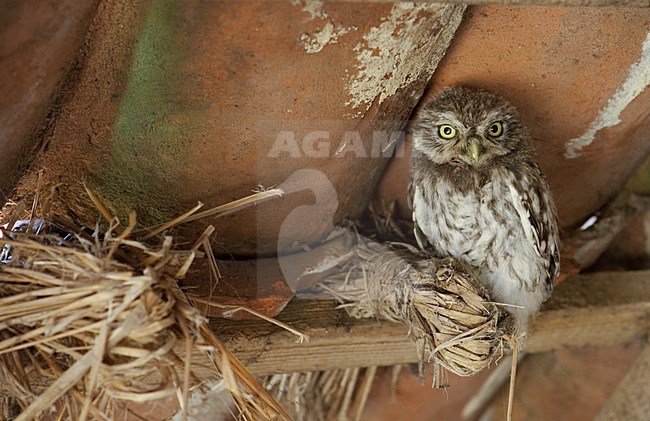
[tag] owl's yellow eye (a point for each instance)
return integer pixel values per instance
(495, 129)
(446, 131)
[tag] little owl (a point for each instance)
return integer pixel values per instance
(478, 196)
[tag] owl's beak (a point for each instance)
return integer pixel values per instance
(474, 150)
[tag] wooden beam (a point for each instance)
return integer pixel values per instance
(586, 310)
(582, 248)
(607, 308)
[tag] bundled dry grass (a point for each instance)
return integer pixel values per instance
(450, 317)
(91, 321)
(449, 314)
(323, 395)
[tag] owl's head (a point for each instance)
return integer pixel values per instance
(469, 127)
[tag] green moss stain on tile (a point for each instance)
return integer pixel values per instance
(149, 140)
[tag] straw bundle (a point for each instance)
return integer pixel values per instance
(449, 314)
(91, 321)
(323, 395)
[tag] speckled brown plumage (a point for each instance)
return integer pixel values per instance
(478, 196)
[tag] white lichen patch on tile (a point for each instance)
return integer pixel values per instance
(330, 32)
(638, 78)
(404, 48)
(316, 41)
(314, 8)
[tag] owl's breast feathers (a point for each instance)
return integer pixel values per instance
(502, 222)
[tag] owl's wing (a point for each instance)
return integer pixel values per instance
(545, 225)
(419, 235)
(537, 214)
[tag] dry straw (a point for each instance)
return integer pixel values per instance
(338, 394)
(94, 321)
(449, 314)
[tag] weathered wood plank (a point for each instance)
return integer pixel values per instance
(597, 309)
(586, 310)
(335, 340)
